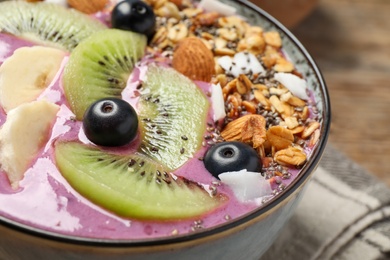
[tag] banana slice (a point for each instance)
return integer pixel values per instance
(27, 73)
(25, 132)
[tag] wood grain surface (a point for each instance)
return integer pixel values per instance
(350, 41)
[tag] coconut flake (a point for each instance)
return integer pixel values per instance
(217, 6)
(295, 84)
(218, 102)
(225, 62)
(247, 186)
(241, 63)
(255, 64)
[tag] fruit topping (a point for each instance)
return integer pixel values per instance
(172, 114)
(27, 73)
(25, 132)
(231, 156)
(49, 24)
(132, 185)
(110, 122)
(100, 66)
(134, 15)
(63, 3)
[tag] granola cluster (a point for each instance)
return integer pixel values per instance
(260, 110)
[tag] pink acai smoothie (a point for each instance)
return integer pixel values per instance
(46, 201)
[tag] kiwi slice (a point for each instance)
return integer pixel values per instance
(99, 67)
(172, 112)
(132, 185)
(48, 24)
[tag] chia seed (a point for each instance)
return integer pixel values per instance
(131, 163)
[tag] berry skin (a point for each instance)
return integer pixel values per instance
(134, 15)
(231, 156)
(110, 122)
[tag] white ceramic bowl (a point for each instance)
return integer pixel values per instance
(247, 237)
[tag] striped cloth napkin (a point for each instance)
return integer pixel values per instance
(344, 214)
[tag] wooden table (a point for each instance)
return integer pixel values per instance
(350, 40)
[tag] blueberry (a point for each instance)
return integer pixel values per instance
(231, 156)
(110, 122)
(134, 15)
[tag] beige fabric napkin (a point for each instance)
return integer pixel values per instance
(344, 214)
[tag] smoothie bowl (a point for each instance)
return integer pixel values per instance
(152, 129)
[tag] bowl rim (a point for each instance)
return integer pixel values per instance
(306, 172)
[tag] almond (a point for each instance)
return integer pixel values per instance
(249, 129)
(88, 6)
(193, 59)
